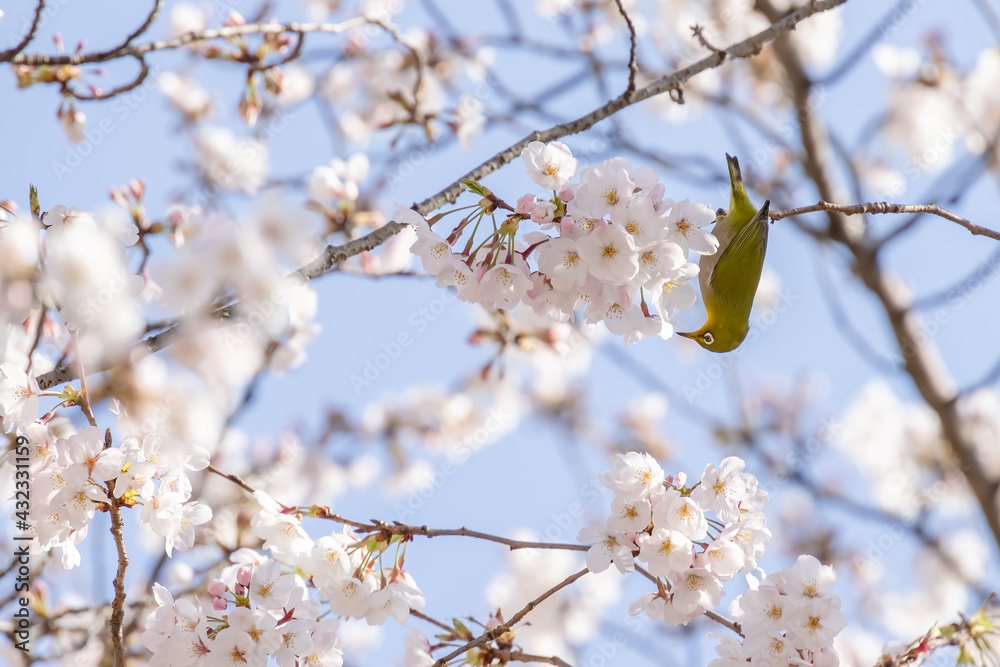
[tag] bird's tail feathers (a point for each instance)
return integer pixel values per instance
(739, 204)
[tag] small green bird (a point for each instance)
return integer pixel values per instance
(729, 278)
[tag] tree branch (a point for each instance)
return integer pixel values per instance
(490, 635)
(135, 50)
(138, 32)
(333, 255)
(66, 372)
(516, 655)
(118, 604)
(124, 88)
(699, 33)
(725, 622)
(633, 68)
(396, 528)
(9, 54)
(235, 479)
(922, 362)
(330, 256)
(885, 207)
(420, 64)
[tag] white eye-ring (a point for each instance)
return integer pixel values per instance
(708, 338)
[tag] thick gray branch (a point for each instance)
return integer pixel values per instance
(921, 358)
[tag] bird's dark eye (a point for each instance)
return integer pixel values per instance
(708, 338)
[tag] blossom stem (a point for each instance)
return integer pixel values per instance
(725, 622)
(84, 394)
(490, 635)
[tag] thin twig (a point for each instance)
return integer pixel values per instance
(232, 478)
(138, 32)
(420, 62)
(226, 32)
(699, 32)
(39, 327)
(292, 55)
(517, 655)
(722, 620)
(66, 373)
(510, 16)
(30, 35)
(718, 618)
(433, 621)
(396, 528)
(886, 207)
(633, 68)
(674, 81)
(124, 88)
(333, 255)
(490, 635)
(84, 393)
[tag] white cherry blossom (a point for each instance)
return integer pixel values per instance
(550, 165)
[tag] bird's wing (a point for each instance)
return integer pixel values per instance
(740, 262)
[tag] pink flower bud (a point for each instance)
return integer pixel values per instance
(567, 224)
(216, 587)
(550, 336)
(544, 212)
(566, 194)
(526, 204)
(219, 604)
(137, 187)
(243, 576)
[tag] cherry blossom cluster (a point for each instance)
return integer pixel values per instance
(261, 606)
(789, 617)
(79, 267)
(667, 524)
(67, 290)
(597, 245)
(371, 88)
(76, 476)
(272, 617)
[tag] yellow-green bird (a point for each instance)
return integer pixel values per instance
(729, 277)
